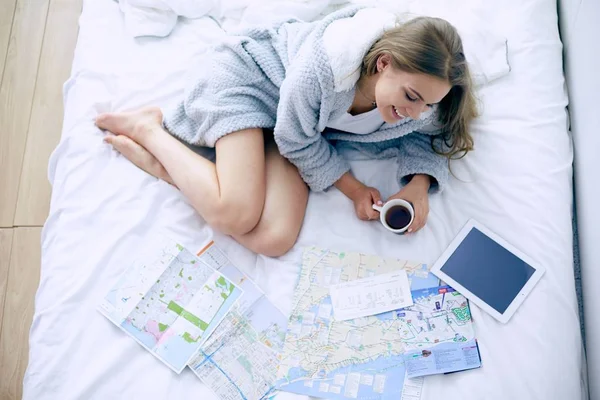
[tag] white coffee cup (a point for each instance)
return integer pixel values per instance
(384, 209)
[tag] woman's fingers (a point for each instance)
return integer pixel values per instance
(365, 215)
(420, 219)
(373, 214)
(415, 226)
(376, 196)
(375, 199)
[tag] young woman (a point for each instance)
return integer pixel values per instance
(275, 102)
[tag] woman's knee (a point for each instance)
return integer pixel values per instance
(235, 216)
(275, 240)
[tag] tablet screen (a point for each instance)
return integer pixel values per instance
(488, 270)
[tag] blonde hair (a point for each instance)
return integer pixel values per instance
(432, 46)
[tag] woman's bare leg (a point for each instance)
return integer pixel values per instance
(230, 194)
(284, 210)
(285, 202)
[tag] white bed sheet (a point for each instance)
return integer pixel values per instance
(517, 182)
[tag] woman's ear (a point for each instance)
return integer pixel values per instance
(383, 61)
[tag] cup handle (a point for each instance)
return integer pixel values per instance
(376, 207)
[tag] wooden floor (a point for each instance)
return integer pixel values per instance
(37, 38)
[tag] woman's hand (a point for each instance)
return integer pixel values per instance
(416, 192)
(363, 198)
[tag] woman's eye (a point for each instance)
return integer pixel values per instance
(411, 98)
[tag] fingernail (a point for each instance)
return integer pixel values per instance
(410, 231)
(379, 202)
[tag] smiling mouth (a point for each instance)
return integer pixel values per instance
(397, 113)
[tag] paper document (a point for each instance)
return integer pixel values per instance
(444, 338)
(170, 302)
(412, 389)
(239, 360)
(370, 296)
(343, 360)
(443, 358)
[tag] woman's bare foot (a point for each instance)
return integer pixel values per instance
(139, 156)
(137, 125)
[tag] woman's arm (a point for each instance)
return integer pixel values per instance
(348, 184)
(418, 158)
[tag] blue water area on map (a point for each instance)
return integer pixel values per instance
(424, 283)
(176, 351)
(296, 373)
(263, 315)
(392, 367)
(111, 297)
(315, 309)
(146, 338)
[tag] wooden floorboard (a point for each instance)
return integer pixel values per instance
(37, 38)
(16, 95)
(6, 236)
(7, 12)
(23, 280)
(47, 111)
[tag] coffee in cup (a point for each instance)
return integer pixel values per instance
(396, 215)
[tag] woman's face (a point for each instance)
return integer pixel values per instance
(401, 94)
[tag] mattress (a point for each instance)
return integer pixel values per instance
(518, 182)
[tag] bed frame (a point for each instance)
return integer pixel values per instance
(580, 31)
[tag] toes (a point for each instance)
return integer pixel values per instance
(139, 156)
(130, 149)
(135, 153)
(101, 120)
